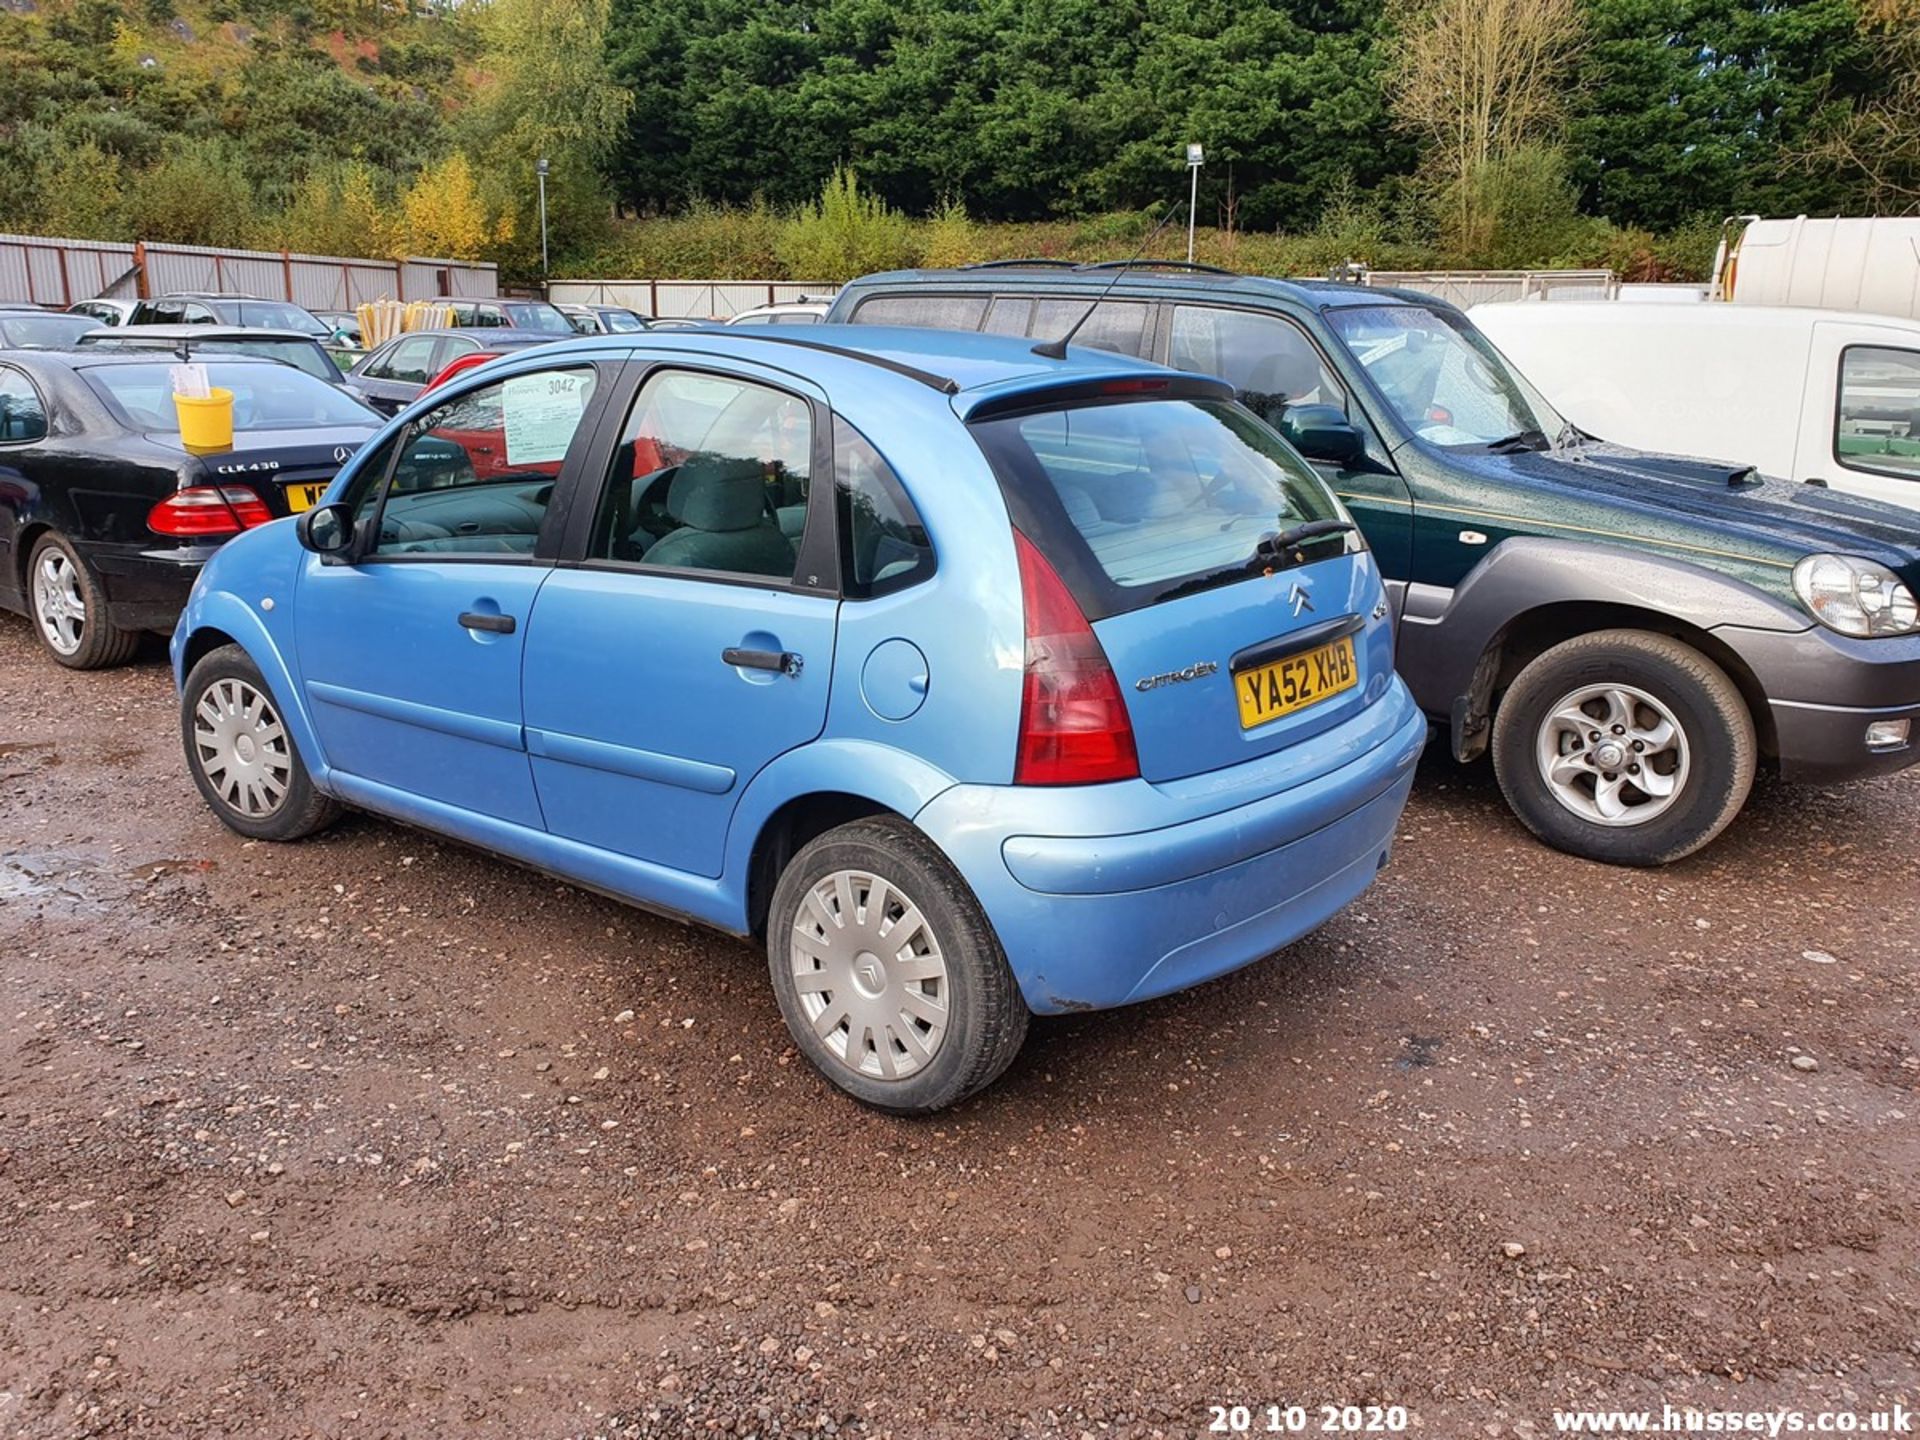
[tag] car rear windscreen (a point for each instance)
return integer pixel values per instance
(265, 397)
(1135, 501)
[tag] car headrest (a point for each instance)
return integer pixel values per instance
(713, 492)
(1291, 373)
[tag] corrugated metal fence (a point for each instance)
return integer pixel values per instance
(686, 299)
(59, 272)
(1467, 288)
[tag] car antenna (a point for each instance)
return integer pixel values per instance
(1057, 349)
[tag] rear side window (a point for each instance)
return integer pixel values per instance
(883, 545)
(933, 312)
(1877, 428)
(1136, 501)
(1117, 325)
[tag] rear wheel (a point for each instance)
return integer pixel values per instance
(889, 977)
(68, 607)
(241, 754)
(1624, 746)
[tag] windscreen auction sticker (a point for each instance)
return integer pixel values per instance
(542, 412)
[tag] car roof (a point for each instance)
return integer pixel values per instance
(1054, 276)
(973, 369)
(206, 332)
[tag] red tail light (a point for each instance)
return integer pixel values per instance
(1074, 728)
(202, 510)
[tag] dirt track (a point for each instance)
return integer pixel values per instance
(377, 1136)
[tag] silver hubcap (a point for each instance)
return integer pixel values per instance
(57, 603)
(1612, 754)
(241, 747)
(872, 980)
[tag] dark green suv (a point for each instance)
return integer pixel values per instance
(1631, 635)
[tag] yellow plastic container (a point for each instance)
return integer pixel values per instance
(206, 424)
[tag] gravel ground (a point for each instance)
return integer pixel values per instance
(378, 1136)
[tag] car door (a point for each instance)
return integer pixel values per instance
(692, 642)
(410, 652)
(1272, 363)
(1860, 430)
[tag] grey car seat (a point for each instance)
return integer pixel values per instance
(721, 506)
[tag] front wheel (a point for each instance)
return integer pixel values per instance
(887, 972)
(242, 757)
(1625, 747)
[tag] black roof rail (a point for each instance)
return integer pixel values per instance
(927, 378)
(1194, 266)
(1036, 262)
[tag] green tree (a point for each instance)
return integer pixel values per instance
(198, 195)
(844, 233)
(1691, 106)
(546, 92)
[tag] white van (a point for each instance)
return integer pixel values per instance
(1824, 395)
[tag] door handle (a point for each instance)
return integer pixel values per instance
(493, 624)
(784, 662)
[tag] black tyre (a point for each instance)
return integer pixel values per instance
(241, 754)
(68, 608)
(887, 972)
(1625, 747)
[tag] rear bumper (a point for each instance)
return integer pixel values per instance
(1824, 690)
(147, 587)
(1110, 894)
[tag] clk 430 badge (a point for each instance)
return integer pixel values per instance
(1195, 671)
(241, 469)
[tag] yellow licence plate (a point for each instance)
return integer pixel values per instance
(304, 497)
(1266, 692)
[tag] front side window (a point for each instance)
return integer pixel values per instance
(1158, 495)
(475, 475)
(883, 545)
(711, 473)
(23, 415)
(410, 361)
(1877, 426)
(1442, 378)
(1268, 361)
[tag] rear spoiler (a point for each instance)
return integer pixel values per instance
(1028, 394)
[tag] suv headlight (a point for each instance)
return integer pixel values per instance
(1854, 596)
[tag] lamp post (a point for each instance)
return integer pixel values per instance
(540, 169)
(1196, 157)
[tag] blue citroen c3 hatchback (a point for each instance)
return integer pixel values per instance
(976, 682)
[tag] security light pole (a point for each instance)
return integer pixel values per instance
(540, 168)
(1196, 157)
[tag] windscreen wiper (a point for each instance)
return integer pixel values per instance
(1519, 440)
(1301, 534)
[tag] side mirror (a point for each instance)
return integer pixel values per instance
(1323, 432)
(326, 530)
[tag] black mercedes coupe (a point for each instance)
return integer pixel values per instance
(106, 516)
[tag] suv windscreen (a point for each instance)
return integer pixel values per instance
(1134, 502)
(1445, 382)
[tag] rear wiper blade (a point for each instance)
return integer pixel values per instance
(1301, 534)
(1519, 440)
(1277, 550)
